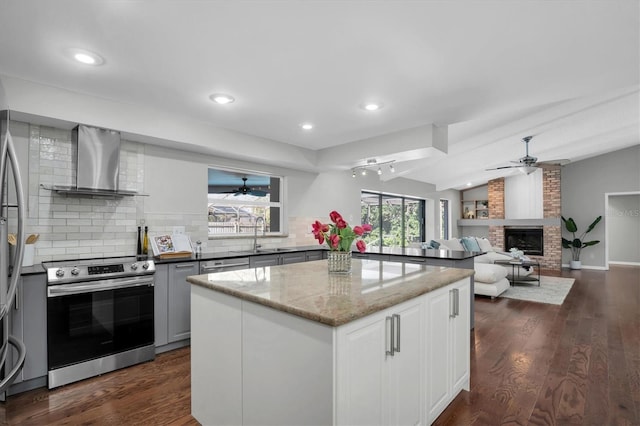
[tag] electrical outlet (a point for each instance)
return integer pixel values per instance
(178, 230)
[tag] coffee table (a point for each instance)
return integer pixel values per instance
(516, 265)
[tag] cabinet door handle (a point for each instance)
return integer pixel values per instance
(452, 304)
(390, 326)
(456, 293)
(396, 319)
(188, 265)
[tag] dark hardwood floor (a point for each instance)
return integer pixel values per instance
(531, 364)
(540, 364)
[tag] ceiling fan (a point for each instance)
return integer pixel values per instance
(245, 190)
(529, 164)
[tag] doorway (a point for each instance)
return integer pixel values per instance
(622, 228)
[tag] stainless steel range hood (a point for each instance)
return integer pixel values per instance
(97, 162)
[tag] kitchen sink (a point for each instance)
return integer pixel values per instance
(265, 250)
(273, 250)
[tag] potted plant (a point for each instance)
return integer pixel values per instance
(577, 244)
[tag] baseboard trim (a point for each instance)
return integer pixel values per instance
(597, 268)
(624, 263)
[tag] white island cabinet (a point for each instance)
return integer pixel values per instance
(294, 345)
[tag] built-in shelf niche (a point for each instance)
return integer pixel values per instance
(475, 203)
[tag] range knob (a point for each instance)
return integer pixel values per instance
(145, 265)
(134, 266)
(75, 271)
(60, 273)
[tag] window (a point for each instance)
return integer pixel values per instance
(237, 200)
(444, 219)
(397, 221)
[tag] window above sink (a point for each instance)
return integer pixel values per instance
(238, 198)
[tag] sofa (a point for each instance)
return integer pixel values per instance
(489, 279)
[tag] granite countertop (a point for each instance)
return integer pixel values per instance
(309, 291)
(427, 253)
(392, 251)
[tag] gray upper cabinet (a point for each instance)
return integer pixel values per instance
(179, 300)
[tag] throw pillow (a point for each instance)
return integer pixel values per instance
(434, 244)
(485, 245)
(454, 244)
(470, 244)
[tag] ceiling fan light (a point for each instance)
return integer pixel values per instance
(527, 170)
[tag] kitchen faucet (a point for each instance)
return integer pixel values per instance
(255, 233)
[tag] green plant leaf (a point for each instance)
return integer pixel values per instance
(570, 224)
(576, 243)
(593, 225)
(590, 243)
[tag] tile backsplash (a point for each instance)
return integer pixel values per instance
(80, 226)
(85, 226)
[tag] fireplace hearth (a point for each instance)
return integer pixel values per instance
(529, 240)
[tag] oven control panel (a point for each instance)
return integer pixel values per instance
(105, 269)
(89, 271)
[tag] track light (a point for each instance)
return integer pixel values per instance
(372, 164)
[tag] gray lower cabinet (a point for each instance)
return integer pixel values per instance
(263, 260)
(372, 256)
(29, 324)
(314, 255)
(161, 304)
(295, 257)
(179, 300)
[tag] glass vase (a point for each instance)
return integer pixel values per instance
(339, 262)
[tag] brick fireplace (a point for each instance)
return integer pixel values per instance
(552, 234)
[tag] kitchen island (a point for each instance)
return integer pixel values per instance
(292, 344)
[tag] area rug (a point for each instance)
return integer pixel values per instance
(552, 290)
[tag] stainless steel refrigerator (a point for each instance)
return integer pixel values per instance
(12, 217)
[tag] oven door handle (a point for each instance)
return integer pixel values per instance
(70, 289)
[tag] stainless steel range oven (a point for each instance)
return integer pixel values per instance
(99, 316)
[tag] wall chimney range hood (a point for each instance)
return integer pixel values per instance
(97, 163)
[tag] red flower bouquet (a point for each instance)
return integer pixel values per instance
(338, 234)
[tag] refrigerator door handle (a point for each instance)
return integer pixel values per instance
(8, 156)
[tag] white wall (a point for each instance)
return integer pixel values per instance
(584, 185)
(523, 196)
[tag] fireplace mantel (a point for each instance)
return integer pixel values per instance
(553, 221)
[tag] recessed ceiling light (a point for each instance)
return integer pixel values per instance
(371, 106)
(221, 98)
(307, 126)
(86, 57)
(468, 183)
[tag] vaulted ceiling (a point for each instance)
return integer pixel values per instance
(460, 82)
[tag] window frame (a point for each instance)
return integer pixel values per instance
(403, 198)
(256, 203)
